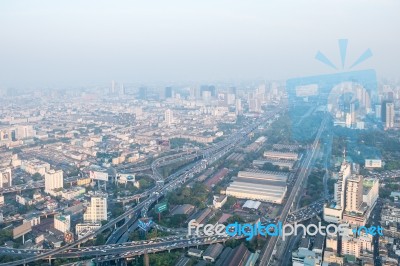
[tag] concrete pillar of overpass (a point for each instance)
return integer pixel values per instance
(146, 259)
(137, 200)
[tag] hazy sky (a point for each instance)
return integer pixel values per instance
(44, 43)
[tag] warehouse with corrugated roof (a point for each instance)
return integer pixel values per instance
(259, 185)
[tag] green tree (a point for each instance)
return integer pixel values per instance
(37, 177)
(100, 240)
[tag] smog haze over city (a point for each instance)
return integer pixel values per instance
(72, 43)
(197, 133)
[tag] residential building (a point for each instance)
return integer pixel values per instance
(97, 210)
(354, 193)
(5, 177)
(62, 223)
(53, 180)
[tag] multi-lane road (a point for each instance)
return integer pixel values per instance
(302, 174)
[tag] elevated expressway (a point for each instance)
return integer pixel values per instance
(302, 173)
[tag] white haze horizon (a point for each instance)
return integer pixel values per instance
(72, 43)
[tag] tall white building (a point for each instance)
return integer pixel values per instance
(53, 180)
(238, 107)
(255, 100)
(62, 223)
(169, 117)
(97, 210)
(378, 111)
(340, 186)
(389, 115)
(354, 193)
(112, 89)
(5, 177)
(333, 213)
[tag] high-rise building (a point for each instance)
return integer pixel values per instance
(206, 96)
(238, 105)
(353, 113)
(232, 90)
(53, 180)
(389, 115)
(222, 99)
(354, 193)
(112, 88)
(62, 223)
(211, 89)
(168, 92)
(143, 93)
(123, 91)
(378, 111)
(169, 117)
(5, 177)
(97, 210)
(254, 99)
(340, 186)
(230, 98)
(193, 93)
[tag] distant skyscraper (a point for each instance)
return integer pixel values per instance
(169, 117)
(378, 111)
(168, 92)
(238, 105)
(123, 92)
(206, 96)
(97, 210)
(53, 180)
(193, 92)
(222, 99)
(232, 90)
(143, 93)
(211, 89)
(353, 114)
(389, 115)
(230, 98)
(254, 102)
(112, 89)
(5, 177)
(390, 96)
